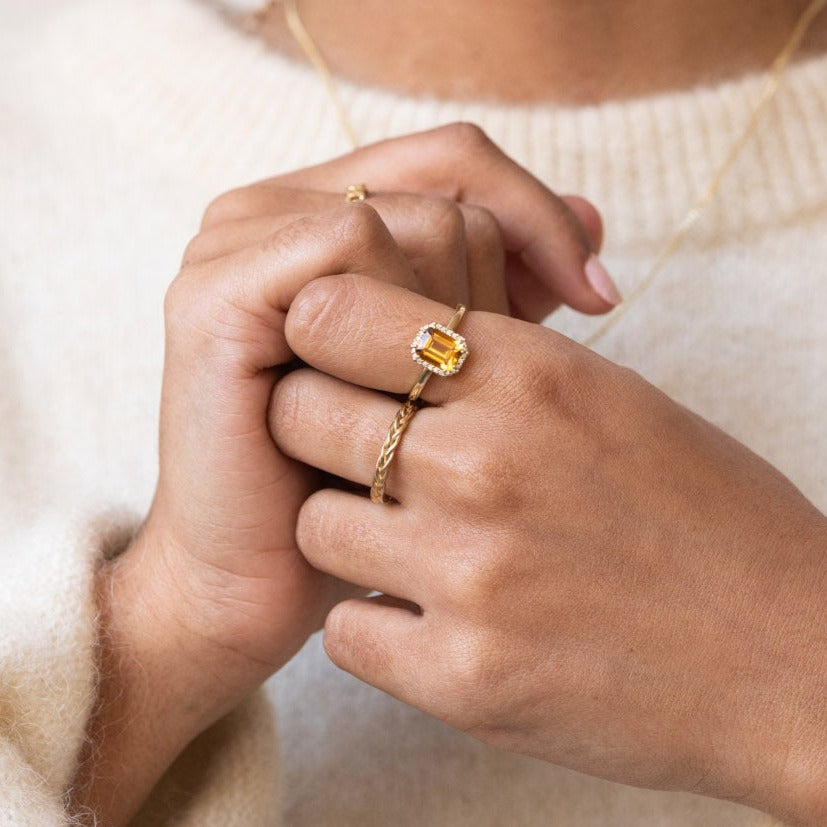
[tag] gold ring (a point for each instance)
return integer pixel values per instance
(356, 192)
(403, 416)
(439, 349)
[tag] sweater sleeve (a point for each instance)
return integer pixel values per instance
(47, 651)
(48, 633)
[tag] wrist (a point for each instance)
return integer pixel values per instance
(193, 679)
(155, 690)
(786, 743)
(795, 791)
(801, 800)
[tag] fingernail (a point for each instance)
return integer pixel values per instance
(601, 281)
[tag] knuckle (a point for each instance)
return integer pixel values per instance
(482, 228)
(188, 316)
(467, 138)
(361, 228)
(627, 378)
(279, 243)
(494, 476)
(197, 249)
(474, 580)
(201, 315)
(443, 217)
(277, 249)
(474, 474)
(568, 365)
(345, 232)
(568, 385)
(224, 207)
(473, 673)
(178, 299)
(540, 377)
(534, 384)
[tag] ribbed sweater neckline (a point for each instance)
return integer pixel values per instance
(197, 94)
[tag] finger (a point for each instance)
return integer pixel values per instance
(231, 236)
(461, 163)
(430, 231)
(271, 197)
(360, 331)
(589, 218)
(435, 240)
(351, 538)
(242, 300)
(528, 295)
(384, 646)
(339, 428)
(267, 198)
(485, 261)
(432, 234)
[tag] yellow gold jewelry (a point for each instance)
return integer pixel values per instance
(397, 428)
(439, 349)
(356, 192)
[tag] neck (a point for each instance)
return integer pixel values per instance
(569, 51)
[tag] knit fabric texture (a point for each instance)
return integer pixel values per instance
(121, 120)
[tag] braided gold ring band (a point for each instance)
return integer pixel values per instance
(403, 416)
(438, 349)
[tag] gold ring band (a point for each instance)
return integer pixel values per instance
(356, 192)
(403, 416)
(439, 349)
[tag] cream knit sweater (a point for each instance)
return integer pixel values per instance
(119, 121)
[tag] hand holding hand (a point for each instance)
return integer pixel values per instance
(213, 596)
(223, 519)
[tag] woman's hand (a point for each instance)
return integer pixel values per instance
(213, 596)
(577, 567)
(463, 212)
(227, 499)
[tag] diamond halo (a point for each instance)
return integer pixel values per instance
(439, 349)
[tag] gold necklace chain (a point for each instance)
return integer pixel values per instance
(771, 86)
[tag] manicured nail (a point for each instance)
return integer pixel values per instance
(601, 281)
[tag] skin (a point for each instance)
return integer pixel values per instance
(552, 592)
(567, 51)
(214, 595)
(235, 591)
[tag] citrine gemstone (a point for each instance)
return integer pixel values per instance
(439, 350)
